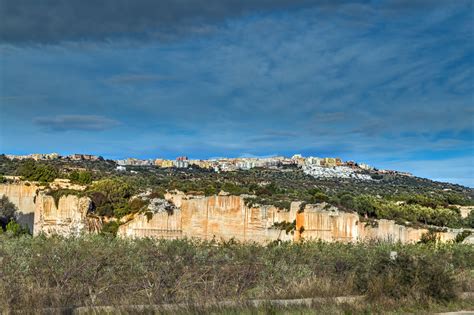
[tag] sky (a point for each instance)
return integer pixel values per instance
(389, 83)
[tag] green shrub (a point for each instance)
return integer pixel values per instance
(81, 177)
(462, 236)
(34, 171)
(15, 229)
(7, 211)
(110, 228)
(411, 276)
(469, 220)
(430, 237)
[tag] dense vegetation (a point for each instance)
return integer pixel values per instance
(408, 200)
(96, 270)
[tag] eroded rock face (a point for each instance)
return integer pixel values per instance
(326, 223)
(334, 225)
(22, 195)
(68, 217)
(42, 215)
(226, 217)
(216, 217)
(159, 225)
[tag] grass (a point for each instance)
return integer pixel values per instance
(38, 273)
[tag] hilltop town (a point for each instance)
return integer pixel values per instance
(328, 167)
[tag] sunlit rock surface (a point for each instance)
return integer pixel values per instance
(215, 217)
(68, 217)
(40, 212)
(22, 195)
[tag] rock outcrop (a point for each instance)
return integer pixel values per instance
(227, 217)
(216, 217)
(40, 212)
(68, 217)
(23, 196)
(316, 222)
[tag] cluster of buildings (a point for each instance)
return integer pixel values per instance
(336, 171)
(55, 156)
(34, 156)
(244, 163)
(315, 166)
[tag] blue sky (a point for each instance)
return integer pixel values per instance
(389, 83)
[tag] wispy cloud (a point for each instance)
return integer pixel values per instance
(76, 122)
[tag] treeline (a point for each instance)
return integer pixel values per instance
(94, 270)
(80, 172)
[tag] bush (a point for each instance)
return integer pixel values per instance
(31, 170)
(7, 211)
(81, 177)
(462, 236)
(469, 220)
(430, 237)
(15, 229)
(111, 197)
(110, 228)
(421, 278)
(96, 270)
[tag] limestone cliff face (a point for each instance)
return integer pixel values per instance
(40, 213)
(69, 217)
(334, 225)
(160, 225)
(226, 217)
(317, 222)
(22, 195)
(216, 217)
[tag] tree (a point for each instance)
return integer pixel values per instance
(81, 177)
(7, 211)
(469, 220)
(31, 170)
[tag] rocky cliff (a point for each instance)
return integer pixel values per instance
(226, 217)
(68, 217)
(22, 195)
(216, 217)
(40, 212)
(327, 223)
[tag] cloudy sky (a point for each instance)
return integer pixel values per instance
(389, 83)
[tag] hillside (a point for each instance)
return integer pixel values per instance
(407, 200)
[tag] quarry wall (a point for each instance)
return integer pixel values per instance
(216, 217)
(333, 225)
(68, 217)
(41, 213)
(22, 195)
(226, 217)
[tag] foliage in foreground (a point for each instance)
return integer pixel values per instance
(96, 270)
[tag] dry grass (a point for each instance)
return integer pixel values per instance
(38, 273)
